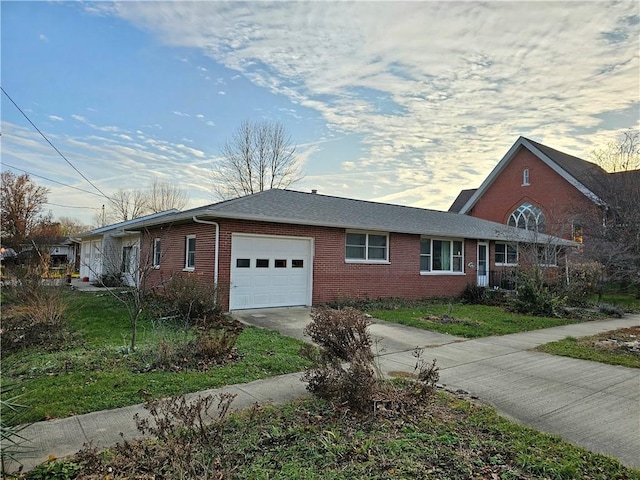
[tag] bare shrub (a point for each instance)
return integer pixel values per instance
(209, 348)
(611, 310)
(35, 313)
(342, 334)
(343, 370)
(214, 344)
(474, 294)
(187, 442)
(186, 299)
(165, 353)
(427, 375)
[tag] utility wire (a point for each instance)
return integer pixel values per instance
(52, 145)
(71, 206)
(51, 180)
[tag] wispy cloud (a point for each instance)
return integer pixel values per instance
(126, 162)
(56, 118)
(102, 128)
(427, 85)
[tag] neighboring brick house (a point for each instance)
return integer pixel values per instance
(541, 189)
(286, 248)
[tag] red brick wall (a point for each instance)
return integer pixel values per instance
(333, 278)
(559, 200)
(173, 251)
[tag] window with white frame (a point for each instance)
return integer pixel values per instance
(372, 247)
(438, 255)
(528, 217)
(506, 254)
(190, 254)
(525, 176)
(156, 252)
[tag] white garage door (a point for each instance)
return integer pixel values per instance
(270, 272)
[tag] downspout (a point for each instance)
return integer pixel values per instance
(217, 247)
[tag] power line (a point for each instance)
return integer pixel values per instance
(71, 206)
(52, 145)
(51, 180)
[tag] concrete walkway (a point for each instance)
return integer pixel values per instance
(590, 404)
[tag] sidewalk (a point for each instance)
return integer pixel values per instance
(590, 404)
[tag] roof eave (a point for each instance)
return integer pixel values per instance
(522, 141)
(492, 176)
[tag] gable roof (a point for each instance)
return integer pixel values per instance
(301, 208)
(584, 171)
(578, 172)
(462, 198)
(121, 226)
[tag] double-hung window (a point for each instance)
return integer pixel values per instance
(156, 252)
(371, 247)
(437, 255)
(190, 253)
(506, 254)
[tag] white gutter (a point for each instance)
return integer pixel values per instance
(217, 247)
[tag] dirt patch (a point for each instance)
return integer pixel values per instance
(449, 320)
(622, 340)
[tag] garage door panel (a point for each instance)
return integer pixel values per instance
(261, 280)
(242, 280)
(283, 278)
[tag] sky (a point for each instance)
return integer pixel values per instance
(397, 102)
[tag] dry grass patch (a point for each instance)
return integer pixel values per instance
(617, 347)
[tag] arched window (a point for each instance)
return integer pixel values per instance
(528, 217)
(525, 176)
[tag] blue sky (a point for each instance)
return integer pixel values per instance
(400, 102)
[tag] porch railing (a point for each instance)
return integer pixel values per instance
(503, 279)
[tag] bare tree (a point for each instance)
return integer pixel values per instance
(612, 232)
(259, 156)
(128, 264)
(71, 226)
(622, 156)
(21, 207)
(127, 205)
(164, 196)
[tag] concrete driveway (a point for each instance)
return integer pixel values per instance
(590, 404)
(291, 321)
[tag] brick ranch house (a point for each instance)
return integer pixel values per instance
(285, 248)
(538, 188)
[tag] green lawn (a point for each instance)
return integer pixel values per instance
(626, 301)
(441, 438)
(469, 321)
(608, 347)
(98, 372)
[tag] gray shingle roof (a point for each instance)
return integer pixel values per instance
(128, 224)
(462, 198)
(585, 172)
(300, 208)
